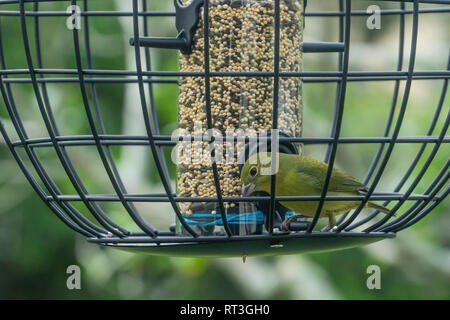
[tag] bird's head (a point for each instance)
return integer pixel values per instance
(252, 176)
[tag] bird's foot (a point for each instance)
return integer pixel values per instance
(286, 223)
(329, 229)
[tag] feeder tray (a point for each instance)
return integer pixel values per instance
(257, 246)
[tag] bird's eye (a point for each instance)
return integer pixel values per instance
(253, 171)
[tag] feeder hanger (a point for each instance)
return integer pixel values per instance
(186, 23)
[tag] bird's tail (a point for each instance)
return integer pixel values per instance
(379, 208)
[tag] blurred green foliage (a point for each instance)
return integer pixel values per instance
(36, 248)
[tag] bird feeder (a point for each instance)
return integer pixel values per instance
(241, 38)
(240, 78)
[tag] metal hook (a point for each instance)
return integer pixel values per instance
(186, 23)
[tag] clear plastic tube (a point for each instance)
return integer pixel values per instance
(241, 39)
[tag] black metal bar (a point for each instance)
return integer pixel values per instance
(401, 47)
(153, 147)
(48, 108)
(383, 12)
(65, 161)
(158, 197)
(154, 116)
(73, 213)
(163, 14)
(426, 207)
(76, 220)
(416, 158)
(421, 151)
(124, 140)
(86, 13)
(164, 43)
(96, 102)
(35, 185)
(173, 81)
(398, 124)
(389, 75)
(338, 84)
(338, 119)
(276, 85)
(415, 210)
(146, 227)
(387, 129)
(209, 116)
(308, 47)
(421, 1)
(416, 179)
(43, 1)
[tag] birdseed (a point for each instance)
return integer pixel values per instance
(241, 39)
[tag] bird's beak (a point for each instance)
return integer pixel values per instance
(247, 189)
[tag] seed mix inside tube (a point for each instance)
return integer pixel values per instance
(241, 39)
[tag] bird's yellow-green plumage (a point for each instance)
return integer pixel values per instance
(302, 176)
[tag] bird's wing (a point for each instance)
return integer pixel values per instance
(339, 182)
(343, 182)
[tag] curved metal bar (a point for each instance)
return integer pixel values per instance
(338, 119)
(427, 191)
(383, 12)
(153, 147)
(399, 220)
(117, 188)
(412, 212)
(145, 13)
(99, 216)
(76, 217)
(339, 83)
(52, 120)
(376, 160)
(38, 189)
(108, 139)
(154, 115)
(209, 116)
(416, 179)
(148, 67)
(421, 151)
(276, 85)
(398, 122)
(421, 212)
(160, 197)
(131, 209)
(96, 102)
(75, 223)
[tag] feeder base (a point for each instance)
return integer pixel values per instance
(265, 246)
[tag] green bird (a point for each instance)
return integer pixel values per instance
(302, 176)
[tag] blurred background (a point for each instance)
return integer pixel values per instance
(36, 248)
